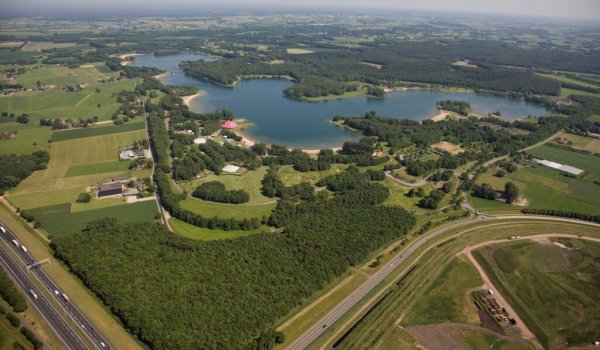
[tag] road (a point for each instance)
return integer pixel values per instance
(54, 318)
(304, 340)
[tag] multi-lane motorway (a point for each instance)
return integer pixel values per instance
(322, 325)
(56, 313)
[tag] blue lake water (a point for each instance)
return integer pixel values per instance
(284, 121)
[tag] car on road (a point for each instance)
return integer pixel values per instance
(15, 243)
(24, 249)
(56, 292)
(3, 229)
(33, 294)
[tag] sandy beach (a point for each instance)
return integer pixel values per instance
(440, 116)
(161, 75)
(125, 55)
(188, 99)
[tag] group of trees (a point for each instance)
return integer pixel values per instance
(486, 191)
(215, 191)
(321, 239)
(15, 168)
(272, 186)
(350, 179)
(10, 293)
(562, 213)
(460, 107)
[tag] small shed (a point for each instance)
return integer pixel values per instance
(231, 168)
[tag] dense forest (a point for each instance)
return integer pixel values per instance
(193, 304)
(333, 71)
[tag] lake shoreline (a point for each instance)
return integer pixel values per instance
(187, 100)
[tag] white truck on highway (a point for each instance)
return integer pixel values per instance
(24, 249)
(3, 229)
(15, 243)
(65, 297)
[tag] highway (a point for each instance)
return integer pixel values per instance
(310, 335)
(55, 319)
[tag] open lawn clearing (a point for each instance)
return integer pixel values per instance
(398, 195)
(57, 103)
(447, 147)
(554, 289)
(583, 142)
(544, 188)
(64, 135)
(249, 182)
(27, 141)
(205, 234)
(61, 76)
(565, 92)
(289, 176)
(579, 160)
(568, 80)
(92, 149)
(226, 211)
(447, 299)
(297, 51)
(70, 284)
(58, 220)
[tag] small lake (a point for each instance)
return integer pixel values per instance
(284, 121)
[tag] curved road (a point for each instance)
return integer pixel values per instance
(304, 340)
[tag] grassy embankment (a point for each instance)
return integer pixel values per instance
(551, 287)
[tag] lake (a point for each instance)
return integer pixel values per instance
(306, 125)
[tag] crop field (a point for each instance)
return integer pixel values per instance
(98, 130)
(447, 299)
(57, 103)
(553, 288)
(544, 188)
(68, 173)
(249, 181)
(205, 234)
(7, 54)
(237, 211)
(583, 161)
(58, 220)
(61, 76)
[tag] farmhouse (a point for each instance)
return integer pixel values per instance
(134, 153)
(231, 168)
(110, 189)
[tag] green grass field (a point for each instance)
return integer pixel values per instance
(97, 168)
(10, 335)
(236, 211)
(554, 288)
(57, 103)
(544, 188)
(61, 76)
(29, 138)
(97, 131)
(447, 299)
(579, 160)
(58, 220)
(290, 177)
(249, 181)
(205, 234)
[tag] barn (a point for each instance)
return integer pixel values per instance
(110, 189)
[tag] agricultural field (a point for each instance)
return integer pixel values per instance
(61, 76)
(98, 130)
(448, 298)
(70, 170)
(29, 138)
(552, 284)
(581, 142)
(205, 234)
(249, 181)
(57, 103)
(589, 163)
(544, 188)
(59, 220)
